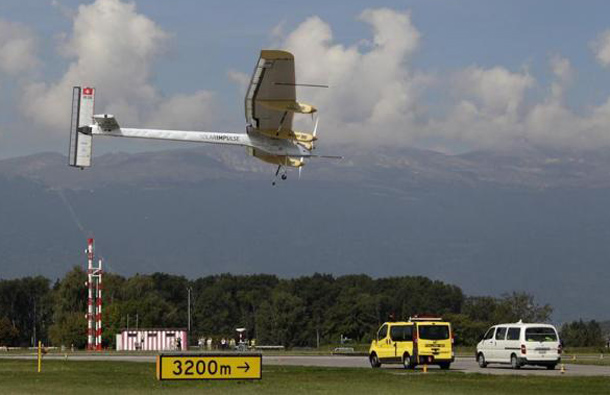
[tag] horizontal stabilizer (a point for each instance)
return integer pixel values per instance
(106, 122)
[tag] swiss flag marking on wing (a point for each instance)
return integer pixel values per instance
(88, 91)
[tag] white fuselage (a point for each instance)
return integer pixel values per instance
(280, 147)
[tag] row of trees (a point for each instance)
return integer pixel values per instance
(583, 334)
(305, 311)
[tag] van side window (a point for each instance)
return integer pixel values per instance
(383, 331)
(500, 333)
(401, 333)
(489, 334)
(513, 333)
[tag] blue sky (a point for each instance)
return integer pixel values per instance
(481, 41)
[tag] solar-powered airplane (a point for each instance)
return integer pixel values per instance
(270, 104)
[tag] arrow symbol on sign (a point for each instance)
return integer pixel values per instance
(246, 367)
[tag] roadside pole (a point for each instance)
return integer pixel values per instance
(39, 356)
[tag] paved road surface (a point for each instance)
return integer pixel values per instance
(462, 364)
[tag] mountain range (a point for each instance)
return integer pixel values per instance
(490, 222)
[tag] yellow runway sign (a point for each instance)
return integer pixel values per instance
(209, 367)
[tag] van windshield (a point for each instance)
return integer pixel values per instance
(540, 334)
(434, 332)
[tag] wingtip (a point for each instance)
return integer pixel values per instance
(276, 54)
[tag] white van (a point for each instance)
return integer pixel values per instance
(520, 344)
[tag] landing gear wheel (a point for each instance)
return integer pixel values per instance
(481, 360)
(374, 360)
(284, 176)
(407, 361)
(514, 362)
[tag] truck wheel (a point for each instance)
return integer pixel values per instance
(374, 361)
(444, 365)
(514, 362)
(407, 361)
(481, 360)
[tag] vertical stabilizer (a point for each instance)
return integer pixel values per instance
(81, 140)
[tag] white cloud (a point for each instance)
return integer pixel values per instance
(184, 110)
(372, 92)
(486, 110)
(601, 48)
(490, 111)
(113, 48)
(17, 48)
(552, 122)
(241, 79)
(377, 97)
(496, 91)
(564, 73)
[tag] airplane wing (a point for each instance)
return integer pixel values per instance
(271, 88)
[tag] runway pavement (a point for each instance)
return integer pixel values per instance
(462, 364)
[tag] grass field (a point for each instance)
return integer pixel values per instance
(69, 377)
(588, 361)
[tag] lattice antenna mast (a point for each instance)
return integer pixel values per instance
(99, 272)
(94, 300)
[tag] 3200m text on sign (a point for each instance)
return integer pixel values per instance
(209, 367)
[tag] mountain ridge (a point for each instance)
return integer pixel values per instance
(533, 168)
(490, 222)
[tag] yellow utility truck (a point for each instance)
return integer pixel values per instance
(423, 340)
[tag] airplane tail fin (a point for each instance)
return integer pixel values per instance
(81, 140)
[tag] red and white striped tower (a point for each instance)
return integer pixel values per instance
(90, 306)
(98, 315)
(94, 301)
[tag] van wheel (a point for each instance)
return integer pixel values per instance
(374, 361)
(481, 360)
(514, 362)
(551, 367)
(407, 361)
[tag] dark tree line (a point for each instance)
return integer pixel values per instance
(299, 312)
(583, 334)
